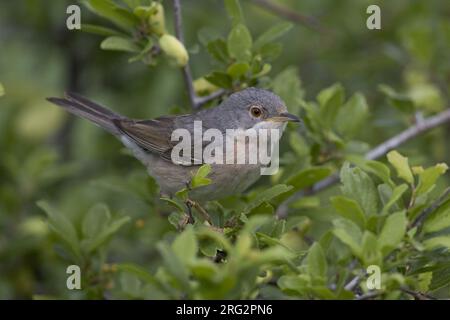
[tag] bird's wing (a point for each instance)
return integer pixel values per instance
(152, 135)
(155, 135)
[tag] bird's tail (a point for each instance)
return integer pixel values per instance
(89, 110)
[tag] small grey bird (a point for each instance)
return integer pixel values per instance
(150, 140)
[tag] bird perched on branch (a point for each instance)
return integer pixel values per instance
(150, 140)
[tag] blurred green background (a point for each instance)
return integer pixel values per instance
(48, 154)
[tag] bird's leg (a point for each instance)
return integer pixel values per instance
(189, 206)
(200, 209)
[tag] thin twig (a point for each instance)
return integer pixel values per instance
(199, 101)
(368, 295)
(409, 133)
(186, 69)
(377, 152)
(352, 283)
(196, 102)
(294, 16)
(425, 213)
(418, 295)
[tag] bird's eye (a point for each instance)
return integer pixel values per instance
(255, 112)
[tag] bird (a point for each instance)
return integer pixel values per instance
(150, 140)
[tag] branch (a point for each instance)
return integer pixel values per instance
(196, 102)
(418, 295)
(368, 295)
(352, 283)
(284, 12)
(377, 152)
(412, 132)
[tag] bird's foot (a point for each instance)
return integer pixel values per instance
(190, 217)
(193, 204)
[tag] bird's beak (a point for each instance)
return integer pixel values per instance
(285, 117)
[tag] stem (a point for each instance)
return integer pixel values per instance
(352, 283)
(368, 295)
(418, 295)
(196, 102)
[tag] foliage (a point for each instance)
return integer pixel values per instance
(78, 200)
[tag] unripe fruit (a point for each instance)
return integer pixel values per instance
(174, 49)
(203, 87)
(156, 19)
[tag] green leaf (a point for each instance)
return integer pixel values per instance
(349, 233)
(287, 85)
(437, 242)
(293, 283)
(238, 69)
(130, 285)
(299, 145)
(264, 70)
(95, 220)
(400, 163)
(132, 3)
(330, 101)
(234, 11)
(62, 226)
(266, 196)
(428, 178)
(2, 90)
(217, 237)
(174, 204)
(397, 100)
(360, 187)
(273, 33)
(185, 246)
(349, 209)
(199, 179)
(393, 231)
(174, 265)
(352, 116)
(109, 10)
(441, 278)
(396, 195)
(305, 202)
(308, 177)
(119, 44)
(100, 30)
(377, 168)
(218, 50)
(107, 232)
(182, 194)
(204, 269)
(143, 54)
(239, 43)
(270, 51)
(317, 264)
(438, 220)
(371, 254)
(220, 79)
(137, 271)
(380, 170)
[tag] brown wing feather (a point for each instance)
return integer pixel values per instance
(152, 135)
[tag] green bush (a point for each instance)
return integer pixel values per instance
(315, 230)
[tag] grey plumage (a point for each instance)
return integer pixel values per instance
(150, 140)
